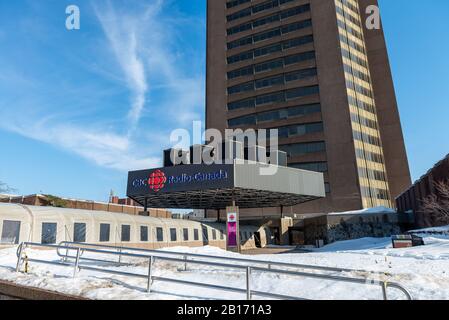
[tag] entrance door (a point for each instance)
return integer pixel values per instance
(276, 237)
(296, 236)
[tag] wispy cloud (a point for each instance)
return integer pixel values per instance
(122, 34)
(103, 148)
(143, 51)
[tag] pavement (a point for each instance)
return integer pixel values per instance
(274, 250)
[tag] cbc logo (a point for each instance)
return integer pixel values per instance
(138, 183)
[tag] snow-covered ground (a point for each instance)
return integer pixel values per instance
(423, 270)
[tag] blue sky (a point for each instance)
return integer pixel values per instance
(80, 108)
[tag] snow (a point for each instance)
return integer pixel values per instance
(376, 210)
(424, 271)
(443, 230)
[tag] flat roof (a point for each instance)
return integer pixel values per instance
(201, 186)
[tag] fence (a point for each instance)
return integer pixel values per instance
(75, 261)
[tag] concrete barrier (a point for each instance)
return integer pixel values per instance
(12, 291)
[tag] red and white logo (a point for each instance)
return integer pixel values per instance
(232, 217)
(157, 181)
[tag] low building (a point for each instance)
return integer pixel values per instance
(411, 200)
(322, 229)
(116, 205)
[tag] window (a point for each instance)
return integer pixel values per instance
(301, 92)
(105, 231)
(303, 148)
(205, 234)
(196, 235)
(276, 47)
(235, 3)
(214, 234)
(268, 82)
(270, 65)
(10, 232)
(126, 233)
(79, 232)
(242, 104)
(185, 233)
(159, 234)
(268, 19)
(173, 234)
(242, 121)
(143, 233)
(48, 233)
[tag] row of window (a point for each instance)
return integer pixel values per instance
(372, 174)
(256, 9)
(366, 138)
(354, 58)
(311, 166)
(361, 104)
(364, 121)
(350, 6)
(275, 115)
(273, 81)
(349, 29)
(359, 89)
(49, 231)
(276, 97)
(235, 3)
(271, 65)
(352, 44)
(269, 19)
(277, 47)
(277, 32)
(356, 73)
(369, 156)
(298, 149)
(349, 17)
(375, 193)
(300, 129)
(11, 233)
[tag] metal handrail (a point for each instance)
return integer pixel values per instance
(151, 278)
(269, 264)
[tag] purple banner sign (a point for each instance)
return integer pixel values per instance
(232, 230)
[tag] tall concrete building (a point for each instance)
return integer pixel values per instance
(311, 69)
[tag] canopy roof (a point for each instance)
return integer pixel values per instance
(217, 186)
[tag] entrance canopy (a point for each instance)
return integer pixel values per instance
(202, 186)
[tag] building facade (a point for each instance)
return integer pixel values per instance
(410, 201)
(312, 70)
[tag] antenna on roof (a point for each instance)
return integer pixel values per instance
(111, 195)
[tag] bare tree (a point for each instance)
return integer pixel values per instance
(436, 206)
(4, 187)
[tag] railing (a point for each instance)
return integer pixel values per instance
(186, 256)
(152, 255)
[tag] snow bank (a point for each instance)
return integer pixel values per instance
(423, 270)
(376, 210)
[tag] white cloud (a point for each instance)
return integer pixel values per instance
(103, 148)
(144, 44)
(121, 32)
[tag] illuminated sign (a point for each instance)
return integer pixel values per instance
(180, 178)
(232, 229)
